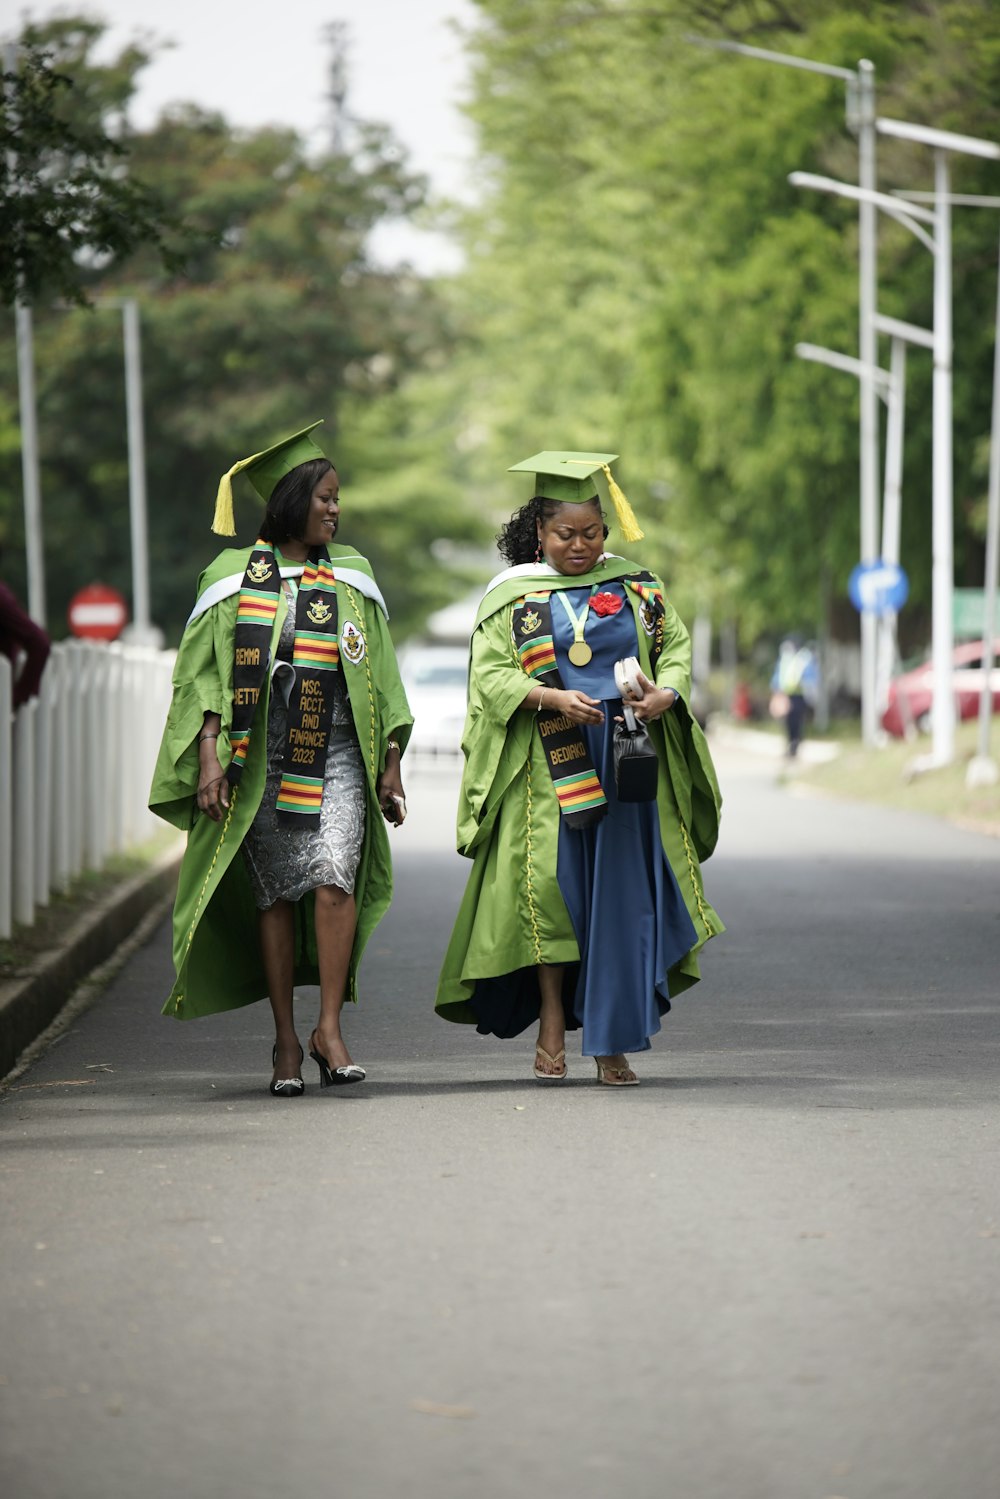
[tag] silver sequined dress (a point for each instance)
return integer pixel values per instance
(283, 863)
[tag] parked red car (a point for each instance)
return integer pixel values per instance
(911, 693)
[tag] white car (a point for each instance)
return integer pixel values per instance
(435, 678)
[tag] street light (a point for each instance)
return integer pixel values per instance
(939, 244)
(891, 387)
(982, 769)
(142, 632)
(860, 82)
(891, 205)
(942, 142)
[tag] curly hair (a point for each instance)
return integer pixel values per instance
(288, 508)
(517, 541)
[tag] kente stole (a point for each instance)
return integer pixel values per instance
(315, 655)
(578, 790)
(652, 615)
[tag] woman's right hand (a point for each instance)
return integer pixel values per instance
(577, 706)
(213, 788)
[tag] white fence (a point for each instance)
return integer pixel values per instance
(75, 768)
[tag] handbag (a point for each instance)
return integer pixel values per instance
(635, 759)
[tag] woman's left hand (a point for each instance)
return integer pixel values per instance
(390, 786)
(655, 701)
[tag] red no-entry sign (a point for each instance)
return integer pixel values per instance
(97, 612)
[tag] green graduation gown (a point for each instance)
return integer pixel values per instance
(513, 914)
(215, 944)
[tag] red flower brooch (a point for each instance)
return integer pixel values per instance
(606, 603)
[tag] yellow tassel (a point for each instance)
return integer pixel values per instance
(224, 521)
(627, 523)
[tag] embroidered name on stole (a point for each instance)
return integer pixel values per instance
(255, 611)
(578, 791)
(315, 656)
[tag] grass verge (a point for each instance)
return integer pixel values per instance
(883, 775)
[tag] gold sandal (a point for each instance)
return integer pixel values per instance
(615, 1077)
(550, 1077)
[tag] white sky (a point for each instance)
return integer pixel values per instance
(262, 64)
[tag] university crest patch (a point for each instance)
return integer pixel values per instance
(319, 612)
(352, 643)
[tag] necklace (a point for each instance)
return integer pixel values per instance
(579, 652)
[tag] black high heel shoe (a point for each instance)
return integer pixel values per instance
(335, 1077)
(287, 1087)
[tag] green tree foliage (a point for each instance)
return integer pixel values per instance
(640, 271)
(279, 319)
(65, 199)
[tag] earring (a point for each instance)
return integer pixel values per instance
(538, 551)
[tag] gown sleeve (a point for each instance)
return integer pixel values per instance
(673, 669)
(202, 683)
(496, 737)
(689, 761)
(393, 708)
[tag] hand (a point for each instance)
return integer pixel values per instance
(577, 706)
(655, 701)
(390, 785)
(213, 788)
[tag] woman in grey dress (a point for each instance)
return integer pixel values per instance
(285, 863)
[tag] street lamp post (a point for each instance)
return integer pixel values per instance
(982, 769)
(892, 503)
(942, 476)
(860, 83)
(142, 631)
(868, 349)
(891, 388)
(943, 143)
(939, 243)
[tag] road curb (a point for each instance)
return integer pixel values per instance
(32, 1002)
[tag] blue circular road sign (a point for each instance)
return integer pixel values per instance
(878, 587)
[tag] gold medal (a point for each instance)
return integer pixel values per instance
(579, 652)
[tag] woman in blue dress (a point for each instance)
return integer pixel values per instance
(582, 911)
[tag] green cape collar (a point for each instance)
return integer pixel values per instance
(535, 577)
(224, 576)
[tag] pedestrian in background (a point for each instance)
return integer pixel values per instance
(794, 688)
(281, 758)
(25, 645)
(582, 911)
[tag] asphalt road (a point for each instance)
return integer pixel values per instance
(770, 1272)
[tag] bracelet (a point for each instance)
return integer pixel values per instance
(393, 744)
(541, 699)
(203, 737)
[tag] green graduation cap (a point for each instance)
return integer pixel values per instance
(264, 471)
(568, 478)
